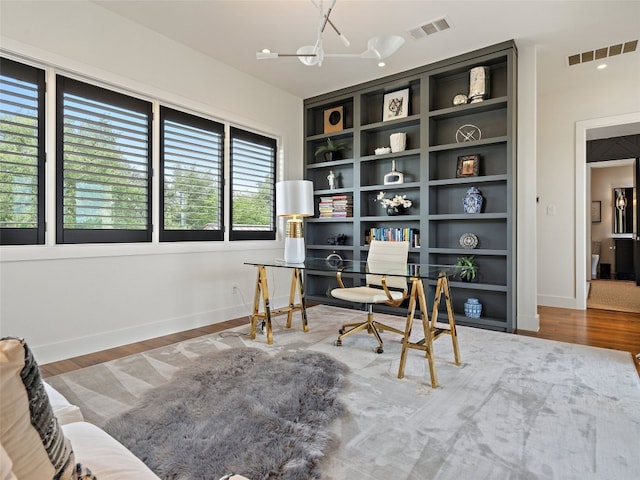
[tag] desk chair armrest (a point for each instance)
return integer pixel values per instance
(392, 301)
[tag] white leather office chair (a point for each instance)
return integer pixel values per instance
(387, 257)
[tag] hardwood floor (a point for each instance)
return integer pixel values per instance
(597, 328)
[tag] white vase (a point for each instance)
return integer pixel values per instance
(398, 142)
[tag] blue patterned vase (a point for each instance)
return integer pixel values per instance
(472, 201)
(472, 308)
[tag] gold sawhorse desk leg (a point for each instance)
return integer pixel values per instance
(431, 331)
(262, 294)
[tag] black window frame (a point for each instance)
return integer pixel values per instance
(204, 124)
(238, 235)
(78, 236)
(37, 76)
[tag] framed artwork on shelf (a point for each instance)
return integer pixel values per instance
(333, 119)
(395, 105)
(596, 211)
(468, 166)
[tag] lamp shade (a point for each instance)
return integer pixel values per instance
(294, 198)
(384, 46)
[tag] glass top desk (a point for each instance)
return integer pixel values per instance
(415, 273)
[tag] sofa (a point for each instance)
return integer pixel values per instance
(43, 436)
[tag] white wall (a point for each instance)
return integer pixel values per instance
(592, 95)
(68, 300)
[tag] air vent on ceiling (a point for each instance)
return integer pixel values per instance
(429, 28)
(603, 52)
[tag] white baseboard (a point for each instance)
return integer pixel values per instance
(76, 346)
(530, 323)
(560, 302)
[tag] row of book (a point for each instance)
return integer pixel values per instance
(335, 206)
(389, 234)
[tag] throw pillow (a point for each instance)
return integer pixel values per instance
(29, 431)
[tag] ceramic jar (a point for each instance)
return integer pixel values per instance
(472, 308)
(398, 142)
(472, 201)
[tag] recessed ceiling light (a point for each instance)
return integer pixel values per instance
(382, 64)
(265, 50)
(602, 66)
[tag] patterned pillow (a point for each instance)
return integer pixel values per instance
(29, 431)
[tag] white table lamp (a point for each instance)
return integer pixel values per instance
(294, 200)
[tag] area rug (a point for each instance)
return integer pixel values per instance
(517, 408)
(240, 411)
(617, 295)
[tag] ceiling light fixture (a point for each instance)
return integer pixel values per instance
(602, 66)
(378, 47)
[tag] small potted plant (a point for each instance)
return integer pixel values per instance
(331, 147)
(469, 269)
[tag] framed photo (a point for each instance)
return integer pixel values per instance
(395, 105)
(468, 166)
(596, 211)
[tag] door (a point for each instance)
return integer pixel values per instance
(636, 230)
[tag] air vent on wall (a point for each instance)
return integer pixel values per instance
(429, 28)
(603, 52)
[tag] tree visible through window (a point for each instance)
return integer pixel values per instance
(253, 160)
(104, 165)
(22, 154)
(191, 160)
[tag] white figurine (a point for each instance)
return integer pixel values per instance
(331, 177)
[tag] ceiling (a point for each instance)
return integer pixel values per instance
(232, 31)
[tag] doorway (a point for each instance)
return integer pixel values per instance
(611, 257)
(627, 124)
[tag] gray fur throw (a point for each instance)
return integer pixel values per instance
(240, 410)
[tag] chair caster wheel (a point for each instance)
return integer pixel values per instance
(338, 343)
(379, 350)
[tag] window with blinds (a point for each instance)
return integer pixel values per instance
(253, 167)
(103, 165)
(22, 154)
(192, 183)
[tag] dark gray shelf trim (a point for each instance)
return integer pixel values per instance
(387, 218)
(465, 180)
(334, 163)
(470, 108)
(477, 143)
(397, 186)
(487, 287)
(388, 156)
(469, 251)
(391, 124)
(468, 216)
(330, 219)
(323, 136)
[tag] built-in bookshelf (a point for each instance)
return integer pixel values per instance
(432, 179)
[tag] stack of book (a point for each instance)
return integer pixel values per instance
(342, 206)
(388, 234)
(336, 206)
(326, 207)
